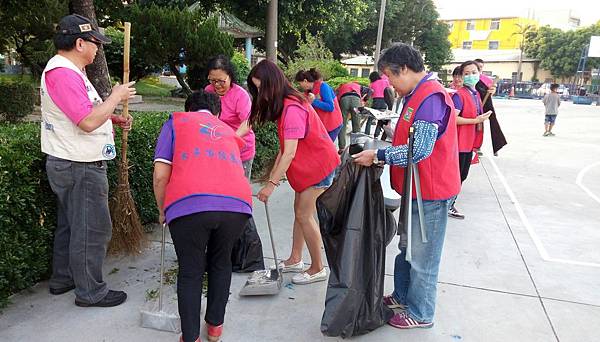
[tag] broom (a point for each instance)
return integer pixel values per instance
(128, 234)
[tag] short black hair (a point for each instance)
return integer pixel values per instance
(554, 86)
(222, 62)
(466, 64)
(401, 55)
(202, 100)
(374, 76)
(457, 71)
(478, 60)
(311, 75)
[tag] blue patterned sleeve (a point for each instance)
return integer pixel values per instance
(425, 138)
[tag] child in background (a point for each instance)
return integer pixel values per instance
(551, 102)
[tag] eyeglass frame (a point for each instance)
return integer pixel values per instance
(219, 82)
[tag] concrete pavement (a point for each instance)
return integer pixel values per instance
(523, 266)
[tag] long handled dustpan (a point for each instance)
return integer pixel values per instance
(265, 282)
(157, 317)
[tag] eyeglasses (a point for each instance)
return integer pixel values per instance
(218, 82)
(97, 43)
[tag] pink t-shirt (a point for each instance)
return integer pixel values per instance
(295, 122)
(379, 87)
(235, 109)
(67, 90)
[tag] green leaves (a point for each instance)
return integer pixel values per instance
(17, 99)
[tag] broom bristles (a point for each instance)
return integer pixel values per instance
(127, 234)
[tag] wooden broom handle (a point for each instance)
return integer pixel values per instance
(126, 47)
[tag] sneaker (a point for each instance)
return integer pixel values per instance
(551, 134)
(402, 320)
(293, 268)
(61, 290)
(305, 278)
(392, 303)
(112, 298)
(452, 212)
(546, 134)
(214, 332)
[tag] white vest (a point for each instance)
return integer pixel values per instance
(61, 137)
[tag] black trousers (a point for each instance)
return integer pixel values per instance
(203, 242)
(464, 164)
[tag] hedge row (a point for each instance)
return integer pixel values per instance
(18, 98)
(28, 208)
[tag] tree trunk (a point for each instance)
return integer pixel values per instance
(97, 72)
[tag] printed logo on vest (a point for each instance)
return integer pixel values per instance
(408, 114)
(210, 131)
(109, 151)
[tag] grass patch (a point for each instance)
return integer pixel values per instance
(150, 86)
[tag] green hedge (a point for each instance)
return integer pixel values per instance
(18, 98)
(28, 207)
(338, 81)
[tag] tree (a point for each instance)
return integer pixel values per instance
(522, 31)
(139, 67)
(559, 51)
(435, 44)
(312, 53)
(160, 33)
(97, 72)
(28, 26)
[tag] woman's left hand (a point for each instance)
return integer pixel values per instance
(492, 90)
(264, 193)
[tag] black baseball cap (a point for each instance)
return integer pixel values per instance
(80, 26)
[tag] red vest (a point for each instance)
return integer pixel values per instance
(349, 87)
(331, 120)
(439, 174)
(206, 160)
(316, 155)
(467, 134)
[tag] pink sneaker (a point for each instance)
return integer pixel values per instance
(392, 303)
(402, 320)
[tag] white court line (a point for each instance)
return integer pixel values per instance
(579, 181)
(532, 233)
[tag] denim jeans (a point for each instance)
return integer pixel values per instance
(415, 283)
(83, 229)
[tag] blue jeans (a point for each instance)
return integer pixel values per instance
(334, 133)
(415, 283)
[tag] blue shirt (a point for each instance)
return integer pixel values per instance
(327, 95)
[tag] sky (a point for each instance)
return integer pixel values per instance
(587, 10)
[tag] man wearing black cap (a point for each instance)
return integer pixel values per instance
(77, 136)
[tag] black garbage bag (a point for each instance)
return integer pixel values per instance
(356, 230)
(247, 254)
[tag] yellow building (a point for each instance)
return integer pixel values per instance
(499, 33)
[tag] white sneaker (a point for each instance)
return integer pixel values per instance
(305, 278)
(293, 268)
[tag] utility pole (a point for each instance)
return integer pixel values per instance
(379, 33)
(272, 31)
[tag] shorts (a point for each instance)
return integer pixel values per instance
(326, 182)
(550, 119)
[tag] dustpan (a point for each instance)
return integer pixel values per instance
(155, 314)
(265, 282)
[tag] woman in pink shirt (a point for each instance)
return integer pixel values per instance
(378, 87)
(235, 104)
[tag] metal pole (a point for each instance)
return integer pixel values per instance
(379, 33)
(272, 31)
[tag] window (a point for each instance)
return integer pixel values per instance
(467, 45)
(495, 24)
(493, 45)
(470, 25)
(450, 25)
(354, 72)
(365, 72)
